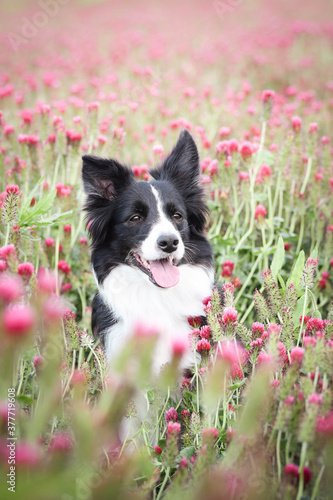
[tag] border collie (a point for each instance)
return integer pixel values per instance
(151, 259)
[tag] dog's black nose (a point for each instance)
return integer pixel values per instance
(168, 242)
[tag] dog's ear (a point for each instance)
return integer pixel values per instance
(181, 167)
(104, 178)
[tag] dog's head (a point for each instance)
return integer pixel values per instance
(155, 226)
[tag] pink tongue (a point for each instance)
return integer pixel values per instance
(165, 274)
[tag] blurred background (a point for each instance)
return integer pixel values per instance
(253, 82)
(196, 37)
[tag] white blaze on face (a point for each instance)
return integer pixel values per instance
(163, 226)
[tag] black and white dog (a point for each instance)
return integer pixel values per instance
(150, 256)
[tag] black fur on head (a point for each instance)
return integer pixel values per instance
(182, 169)
(113, 196)
(103, 181)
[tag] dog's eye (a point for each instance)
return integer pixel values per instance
(135, 218)
(177, 216)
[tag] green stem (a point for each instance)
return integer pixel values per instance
(100, 369)
(54, 423)
(161, 414)
(196, 379)
(70, 376)
(224, 413)
(165, 480)
(253, 176)
(92, 350)
(307, 175)
(21, 378)
(82, 296)
(79, 228)
(301, 471)
(301, 234)
(314, 495)
(56, 259)
(263, 237)
(247, 312)
(303, 314)
(278, 458)
(125, 440)
(217, 414)
(280, 204)
(288, 448)
(277, 192)
(248, 279)
(316, 378)
(216, 228)
(292, 223)
(235, 221)
(81, 353)
(313, 300)
(7, 234)
(56, 170)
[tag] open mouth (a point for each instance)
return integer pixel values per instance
(163, 272)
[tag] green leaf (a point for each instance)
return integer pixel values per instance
(32, 194)
(314, 253)
(24, 399)
(265, 156)
(188, 394)
(281, 281)
(151, 395)
(278, 258)
(261, 197)
(298, 312)
(236, 386)
(277, 221)
(161, 443)
(187, 452)
(30, 215)
(316, 314)
(218, 241)
(46, 221)
(297, 272)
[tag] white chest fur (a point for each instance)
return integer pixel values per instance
(132, 298)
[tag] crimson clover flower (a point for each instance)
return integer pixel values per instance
(18, 320)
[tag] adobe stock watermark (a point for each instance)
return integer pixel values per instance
(31, 26)
(223, 7)
(90, 479)
(146, 84)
